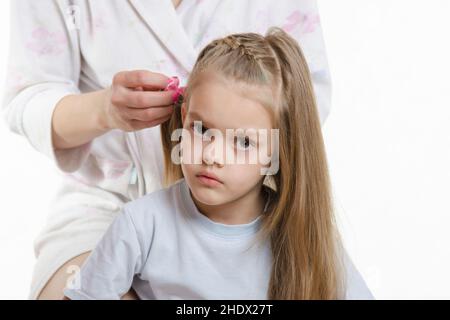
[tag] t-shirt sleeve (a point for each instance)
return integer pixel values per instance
(357, 288)
(108, 272)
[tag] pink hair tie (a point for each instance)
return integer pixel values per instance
(173, 84)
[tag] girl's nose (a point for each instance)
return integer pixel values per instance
(213, 152)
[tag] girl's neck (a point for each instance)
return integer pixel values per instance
(240, 211)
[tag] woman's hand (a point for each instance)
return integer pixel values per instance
(134, 101)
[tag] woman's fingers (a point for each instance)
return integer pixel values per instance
(141, 99)
(141, 78)
(136, 100)
(139, 125)
(148, 114)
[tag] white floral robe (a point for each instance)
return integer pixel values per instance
(61, 47)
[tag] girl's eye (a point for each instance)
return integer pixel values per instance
(243, 142)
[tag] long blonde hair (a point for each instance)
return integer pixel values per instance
(300, 223)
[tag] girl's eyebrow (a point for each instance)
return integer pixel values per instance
(206, 124)
(194, 114)
(197, 116)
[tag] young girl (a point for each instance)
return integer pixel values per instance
(220, 229)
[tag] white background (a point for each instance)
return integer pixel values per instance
(387, 138)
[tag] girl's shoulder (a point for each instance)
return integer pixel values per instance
(356, 286)
(158, 202)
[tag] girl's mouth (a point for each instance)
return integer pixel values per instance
(209, 179)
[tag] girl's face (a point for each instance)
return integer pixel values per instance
(222, 137)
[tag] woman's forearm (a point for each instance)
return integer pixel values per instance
(78, 119)
(125, 105)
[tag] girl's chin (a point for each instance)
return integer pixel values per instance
(207, 196)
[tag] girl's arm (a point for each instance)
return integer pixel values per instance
(108, 272)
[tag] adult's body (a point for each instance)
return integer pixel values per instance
(83, 88)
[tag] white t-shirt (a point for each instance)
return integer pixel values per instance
(164, 248)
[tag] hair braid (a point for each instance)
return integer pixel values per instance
(234, 44)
